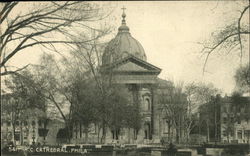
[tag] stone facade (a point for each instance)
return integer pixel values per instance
(30, 130)
(29, 126)
(235, 125)
(153, 126)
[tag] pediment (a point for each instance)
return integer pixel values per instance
(130, 66)
(133, 64)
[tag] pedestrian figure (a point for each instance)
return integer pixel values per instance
(172, 150)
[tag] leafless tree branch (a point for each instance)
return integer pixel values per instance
(230, 33)
(6, 72)
(36, 25)
(212, 49)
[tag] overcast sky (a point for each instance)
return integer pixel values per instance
(169, 32)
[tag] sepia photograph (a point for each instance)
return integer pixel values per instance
(125, 78)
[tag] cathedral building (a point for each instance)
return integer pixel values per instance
(127, 60)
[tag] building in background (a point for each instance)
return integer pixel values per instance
(235, 119)
(28, 129)
(225, 119)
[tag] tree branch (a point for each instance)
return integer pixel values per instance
(6, 10)
(13, 72)
(239, 30)
(212, 49)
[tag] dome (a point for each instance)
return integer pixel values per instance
(122, 46)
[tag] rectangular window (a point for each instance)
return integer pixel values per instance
(232, 119)
(39, 123)
(5, 136)
(224, 133)
(238, 120)
(26, 133)
(239, 134)
(17, 123)
(96, 128)
(17, 136)
(247, 134)
(25, 123)
(225, 120)
(33, 123)
(231, 133)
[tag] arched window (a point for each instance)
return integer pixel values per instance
(166, 124)
(39, 123)
(33, 123)
(25, 123)
(17, 123)
(147, 104)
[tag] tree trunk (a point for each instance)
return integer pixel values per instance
(215, 123)
(21, 133)
(129, 135)
(172, 135)
(13, 133)
(98, 134)
(68, 132)
(86, 134)
(188, 132)
(199, 131)
(208, 132)
(103, 139)
(80, 130)
(177, 134)
(169, 132)
(45, 126)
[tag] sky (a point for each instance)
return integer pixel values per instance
(169, 32)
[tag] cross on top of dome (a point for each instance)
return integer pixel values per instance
(123, 15)
(123, 28)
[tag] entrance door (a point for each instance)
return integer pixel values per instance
(147, 130)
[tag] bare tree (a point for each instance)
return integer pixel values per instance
(232, 36)
(48, 25)
(189, 124)
(43, 80)
(174, 104)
